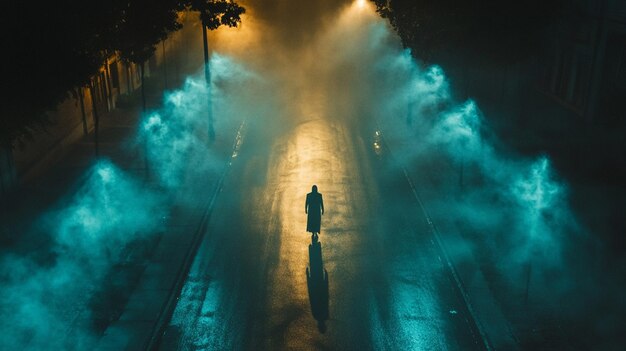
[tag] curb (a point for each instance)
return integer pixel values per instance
(448, 262)
(168, 310)
(151, 313)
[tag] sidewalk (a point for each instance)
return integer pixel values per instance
(28, 242)
(496, 333)
(506, 317)
(66, 173)
(129, 302)
(153, 299)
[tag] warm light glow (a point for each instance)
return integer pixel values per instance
(236, 41)
(359, 12)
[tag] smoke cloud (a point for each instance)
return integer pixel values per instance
(46, 300)
(293, 61)
(511, 210)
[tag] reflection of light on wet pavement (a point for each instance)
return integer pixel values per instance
(378, 143)
(312, 153)
(238, 140)
(312, 148)
(385, 289)
(416, 316)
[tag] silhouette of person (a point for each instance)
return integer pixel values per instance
(314, 207)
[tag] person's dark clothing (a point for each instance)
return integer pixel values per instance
(314, 207)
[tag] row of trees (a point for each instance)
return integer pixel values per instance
(55, 47)
(497, 31)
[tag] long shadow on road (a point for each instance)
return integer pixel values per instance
(317, 284)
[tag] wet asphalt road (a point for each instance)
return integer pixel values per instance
(386, 286)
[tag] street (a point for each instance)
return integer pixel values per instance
(387, 285)
(471, 194)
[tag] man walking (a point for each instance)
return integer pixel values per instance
(314, 207)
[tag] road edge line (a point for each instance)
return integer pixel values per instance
(450, 265)
(433, 229)
(168, 310)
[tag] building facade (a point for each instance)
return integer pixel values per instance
(111, 88)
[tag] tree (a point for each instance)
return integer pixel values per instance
(47, 60)
(213, 14)
(144, 24)
(66, 44)
(52, 53)
(104, 17)
(62, 45)
(499, 31)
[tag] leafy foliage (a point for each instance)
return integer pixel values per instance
(55, 46)
(501, 31)
(143, 24)
(214, 14)
(50, 50)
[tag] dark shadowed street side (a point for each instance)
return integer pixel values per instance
(461, 166)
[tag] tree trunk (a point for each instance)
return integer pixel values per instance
(79, 92)
(108, 85)
(503, 89)
(96, 117)
(143, 109)
(164, 65)
(143, 89)
(3, 188)
(207, 76)
(4, 174)
(102, 77)
(128, 79)
(11, 167)
(178, 57)
(7, 176)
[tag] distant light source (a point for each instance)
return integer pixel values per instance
(361, 3)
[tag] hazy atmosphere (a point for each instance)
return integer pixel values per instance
(438, 230)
